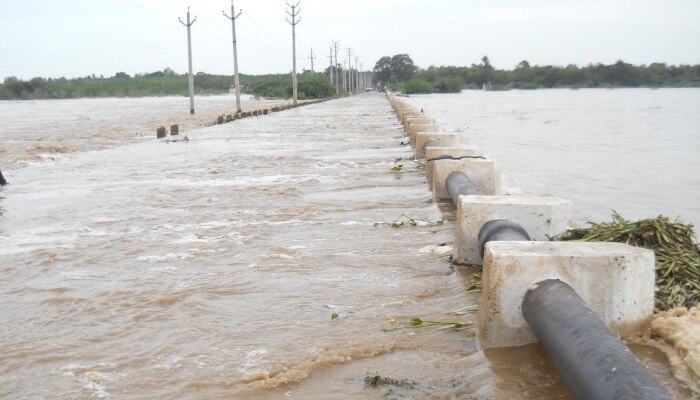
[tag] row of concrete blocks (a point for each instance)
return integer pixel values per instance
(615, 280)
(223, 118)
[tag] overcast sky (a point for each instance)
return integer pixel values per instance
(54, 38)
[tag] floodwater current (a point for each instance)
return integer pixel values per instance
(255, 261)
(635, 151)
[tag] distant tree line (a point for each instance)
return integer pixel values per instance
(163, 83)
(400, 73)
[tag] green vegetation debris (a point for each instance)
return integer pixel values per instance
(475, 283)
(677, 254)
(412, 165)
(334, 316)
(418, 324)
(376, 380)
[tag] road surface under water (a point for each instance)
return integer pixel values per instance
(255, 261)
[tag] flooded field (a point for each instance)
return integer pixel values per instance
(630, 150)
(256, 261)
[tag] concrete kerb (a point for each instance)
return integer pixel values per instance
(541, 217)
(449, 153)
(412, 121)
(413, 114)
(483, 173)
(615, 280)
(445, 139)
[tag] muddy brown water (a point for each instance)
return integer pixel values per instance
(214, 269)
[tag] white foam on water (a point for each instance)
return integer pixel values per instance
(165, 257)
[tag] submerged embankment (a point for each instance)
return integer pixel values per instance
(257, 260)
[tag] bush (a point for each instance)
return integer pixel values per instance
(450, 85)
(417, 86)
(312, 86)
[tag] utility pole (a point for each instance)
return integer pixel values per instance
(345, 80)
(349, 68)
(357, 78)
(293, 23)
(189, 54)
(363, 84)
(312, 58)
(236, 81)
(335, 65)
(330, 66)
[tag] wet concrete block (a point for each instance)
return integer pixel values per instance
(444, 140)
(541, 217)
(615, 280)
(174, 130)
(160, 132)
(423, 128)
(412, 114)
(445, 152)
(414, 128)
(483, 173)
(417, 120)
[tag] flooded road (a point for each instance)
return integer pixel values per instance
(255, 261)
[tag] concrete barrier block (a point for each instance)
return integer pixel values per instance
(445, 140)
(413, 114)
(415, 127)
(541, 217)
(451, 153)
(417, 120)
(483, 173)
(615, 280)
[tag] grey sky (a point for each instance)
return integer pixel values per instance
(54, 38)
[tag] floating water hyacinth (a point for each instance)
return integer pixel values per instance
(677, 254)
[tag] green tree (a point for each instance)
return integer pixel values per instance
(14, 86)
(416, 86)
(382, 70)
(402, 68)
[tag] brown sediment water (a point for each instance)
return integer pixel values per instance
(634, 151)
(40, 131)
(255, 261)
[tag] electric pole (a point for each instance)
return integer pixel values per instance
(335, 65)
(189, 54)
(349, 70)
(293, 23)
(345, 76)
(330, 66)
(312, 58)
(363, 84)
(357, 78)
(236, 81)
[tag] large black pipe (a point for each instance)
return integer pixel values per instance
(430, 143)
(499, 230)
(3, 182)
(459, 184)
(588, 356)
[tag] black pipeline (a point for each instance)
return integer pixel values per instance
(459, 184)
(589, 357)
(500, 230)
